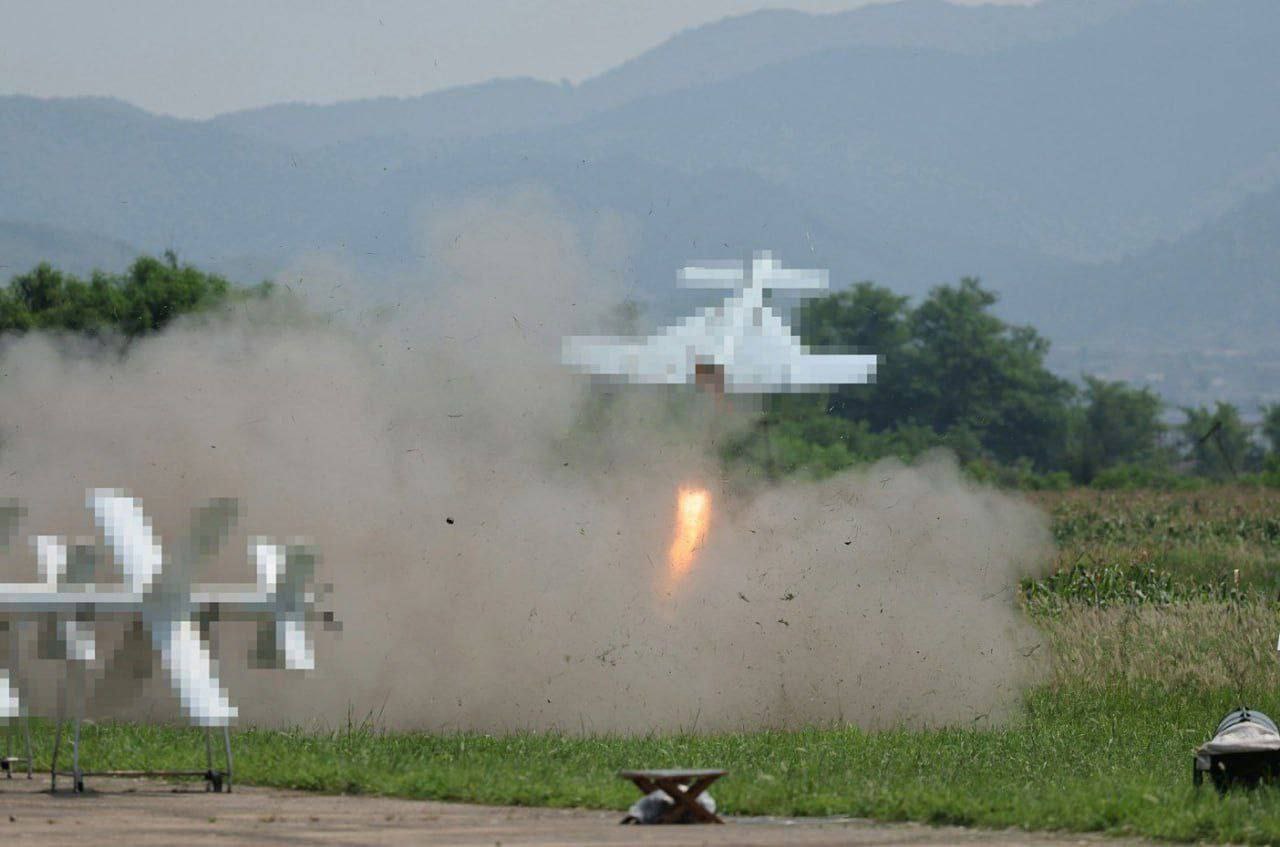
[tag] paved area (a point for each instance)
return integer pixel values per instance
(145, 813)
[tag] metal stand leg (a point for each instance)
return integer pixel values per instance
(26, 731)
(11, 636)
(58, 736)
(58, 741)
(208, 760)
(75, 747)
(222, 779)
(226, 737)
(75, 756)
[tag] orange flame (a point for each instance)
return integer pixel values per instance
(693, 514)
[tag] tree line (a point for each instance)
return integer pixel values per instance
(955, 375)
(142, 300)
(952, 374)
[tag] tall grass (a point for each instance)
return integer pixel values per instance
(1159, 548)
(1192, 646)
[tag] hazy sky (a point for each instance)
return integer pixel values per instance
(195, 59)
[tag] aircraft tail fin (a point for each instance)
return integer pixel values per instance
(765, 272)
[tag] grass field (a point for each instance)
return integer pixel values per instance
(1161, 617)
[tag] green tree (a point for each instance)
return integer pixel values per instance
(1217, 440)
(948, 367)
(866, 318)
(1271, 426)
(142, 300)
(1118, 424)
(972, 372)
(157, 292)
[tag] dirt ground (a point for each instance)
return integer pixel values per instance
(137, 812)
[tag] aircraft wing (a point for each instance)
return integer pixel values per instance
(10, 705)
(187, 662)
(659, 360)
(810, 371)
(291, 634)
(129, 533)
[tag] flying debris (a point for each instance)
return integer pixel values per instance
(739, 347)
(158, 597)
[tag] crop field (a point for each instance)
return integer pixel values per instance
(1160, 617)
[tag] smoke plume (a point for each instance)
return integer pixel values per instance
(498, 555)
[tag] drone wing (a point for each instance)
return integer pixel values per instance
(10, 705)
(185, 658)
(810, 371)
(657, 360)
(129, 533)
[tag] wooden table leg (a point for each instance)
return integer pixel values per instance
(686, 800)
(645, 785)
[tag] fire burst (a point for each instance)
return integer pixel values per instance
(693, 513)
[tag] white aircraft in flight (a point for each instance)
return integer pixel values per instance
(738, 347)
(158, 595)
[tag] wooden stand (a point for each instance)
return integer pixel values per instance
(685, 799)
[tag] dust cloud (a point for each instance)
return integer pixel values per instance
(498, 548)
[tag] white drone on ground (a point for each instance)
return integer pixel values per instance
(157, 594)
(738, 347)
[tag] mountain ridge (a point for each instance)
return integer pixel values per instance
(1041, 166)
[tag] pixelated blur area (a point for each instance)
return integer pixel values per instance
(98, 634)
(741, 346)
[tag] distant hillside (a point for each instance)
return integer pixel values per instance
(911, 143)
(1216, 287)
(695, 57)
(500, 106)
(104, 167)
(1095, 143)
(740, 45)
(1194, 319)
(25, 245)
